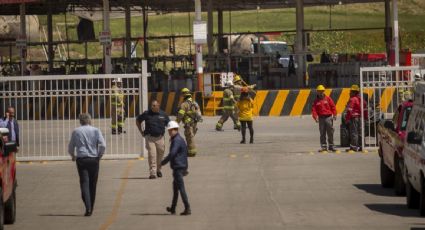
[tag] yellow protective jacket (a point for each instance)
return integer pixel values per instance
(228, 100)
(117, 97)
(246, 107)
(189, 112)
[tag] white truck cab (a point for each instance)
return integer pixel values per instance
(414, 152)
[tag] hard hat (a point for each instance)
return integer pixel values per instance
(237, 78)
(244, 90)
(355, 88)
(185, 91)
(117, 80)
(172, 125)
(320, 88)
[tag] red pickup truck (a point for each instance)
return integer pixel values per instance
(8, 179)
(391, 136)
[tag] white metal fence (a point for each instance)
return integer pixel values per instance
(47, 109)
(383, 88)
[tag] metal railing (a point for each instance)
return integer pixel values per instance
(47, 109)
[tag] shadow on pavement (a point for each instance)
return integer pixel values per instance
(133, 178)
(416, 228)
(62, 215)
(375, 189)
(151, 214)
(393, 209)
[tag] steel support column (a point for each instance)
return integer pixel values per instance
(128, 36)
(396, 43)
(299, 43)
(107, 47)
(388, 33)
(23, 35)
(210, 38)
(220, 31)
(198, 49)
(50, 50)
(145, 32)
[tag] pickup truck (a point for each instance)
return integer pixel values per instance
(8, 179)
(391, 137)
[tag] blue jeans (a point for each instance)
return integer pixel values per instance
(178, 186)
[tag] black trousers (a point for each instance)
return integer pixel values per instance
(178, 186)
(250, 127)
(88, 170)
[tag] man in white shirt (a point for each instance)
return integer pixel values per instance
(87, 147)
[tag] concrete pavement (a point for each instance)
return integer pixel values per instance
(280, 182)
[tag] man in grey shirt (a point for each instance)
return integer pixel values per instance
(87, 147)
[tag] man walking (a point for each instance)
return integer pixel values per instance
(190, 114)
(353, 119)
(10, 122)
(178, 162)
(87, 147)
(229, 104)
(155, 122)
(324, 113)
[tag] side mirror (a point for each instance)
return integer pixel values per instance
(389, 125)
(414, 138)
(9, 147)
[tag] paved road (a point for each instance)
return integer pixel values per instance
(280, 182)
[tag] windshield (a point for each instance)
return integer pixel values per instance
(273, 48)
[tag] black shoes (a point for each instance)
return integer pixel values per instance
(251, 141)
(186, 212)
(114, 132)
(159, 174)
(88, 213)
(243, 141)
(332, 149)
(171, 211)
(152, 177)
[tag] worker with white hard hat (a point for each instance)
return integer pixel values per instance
(179, 164)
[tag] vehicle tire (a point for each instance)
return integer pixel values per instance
(387, 176)
(10, 209)
(1, 210)
(399, 185)
(422, 198)
(412, 196)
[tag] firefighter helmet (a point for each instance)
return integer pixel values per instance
(237, 78)
(320, 88)
(355, 88)
(185, 91)
(117, 80)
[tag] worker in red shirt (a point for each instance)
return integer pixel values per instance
(353, 118)
(324, 113)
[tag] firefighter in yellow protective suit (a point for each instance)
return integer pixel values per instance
(117, 107)
(229, 104)
(189, 114)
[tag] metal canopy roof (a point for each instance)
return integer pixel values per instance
(61, 6)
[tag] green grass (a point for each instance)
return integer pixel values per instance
(412, 18)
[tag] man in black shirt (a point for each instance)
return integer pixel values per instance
(155, 122)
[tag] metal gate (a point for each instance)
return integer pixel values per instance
(383, 89)
(47, 110)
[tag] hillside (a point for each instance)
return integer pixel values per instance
(412, 26)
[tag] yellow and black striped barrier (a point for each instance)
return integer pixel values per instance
(295, 102)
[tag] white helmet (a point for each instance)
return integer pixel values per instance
(172, 125)
(117, 80)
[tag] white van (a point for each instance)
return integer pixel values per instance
(414, 152)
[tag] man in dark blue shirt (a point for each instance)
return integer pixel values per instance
(155, 123)
(178, 162)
